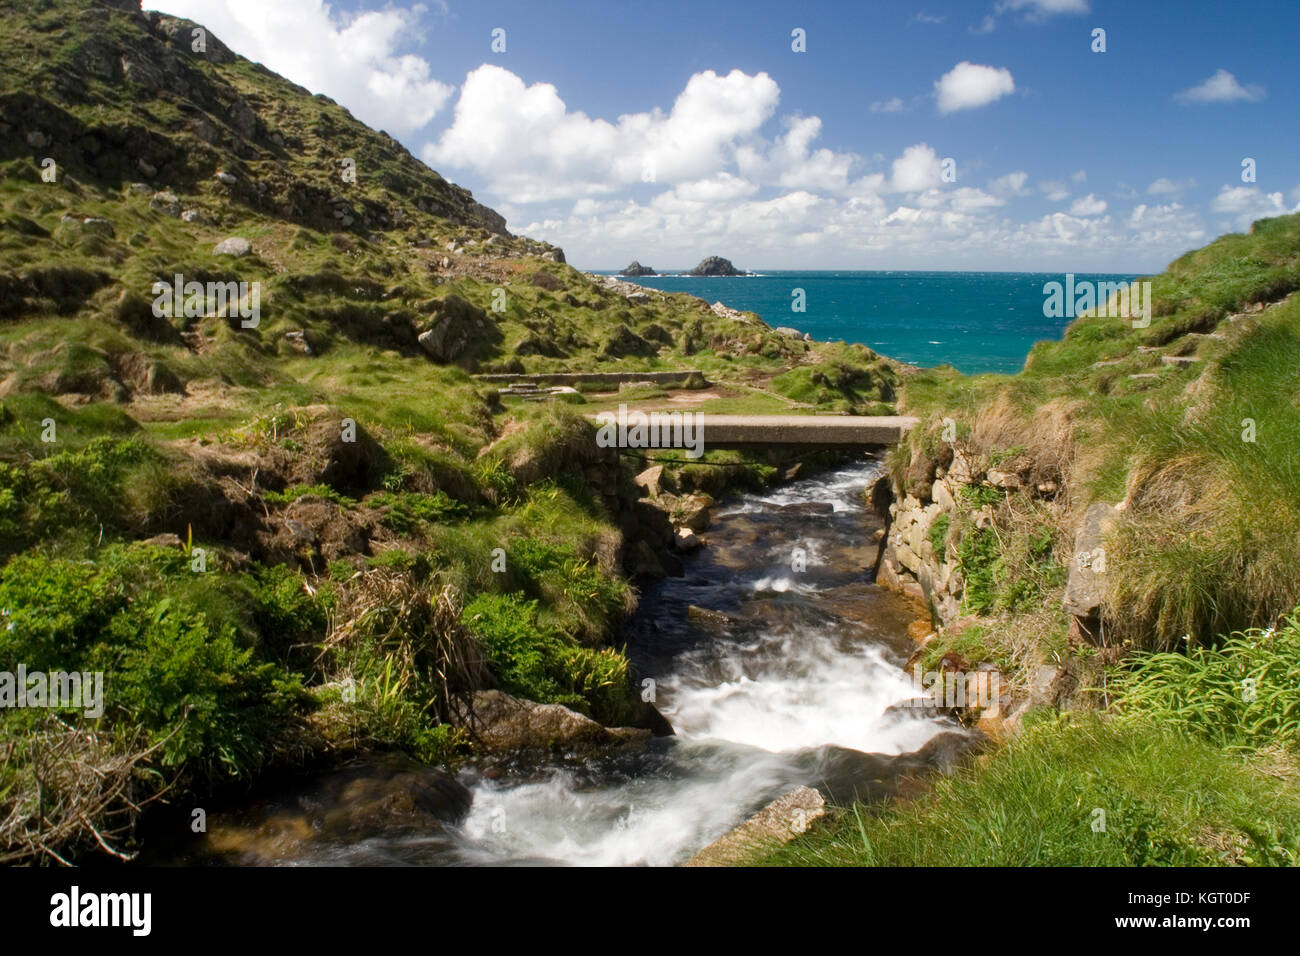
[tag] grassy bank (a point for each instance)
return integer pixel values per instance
(1178, 716)
(1195, 763)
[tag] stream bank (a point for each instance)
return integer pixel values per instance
(775, 656)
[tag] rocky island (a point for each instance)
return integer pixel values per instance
(636, 269)
(716, 266)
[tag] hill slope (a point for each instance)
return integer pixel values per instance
(248, 485)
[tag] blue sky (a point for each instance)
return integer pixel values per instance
(670, 131)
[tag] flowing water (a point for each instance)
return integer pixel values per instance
(783, 674)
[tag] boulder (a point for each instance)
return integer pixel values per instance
(166, 202)
(693, 512)
(686, 540)
(651, 480)
(236, 246)
(1085, 588)
(506, 725)
(455, 325)
(779, 822)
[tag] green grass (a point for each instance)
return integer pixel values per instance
(1169, 799)
(1206, 457)
(1240, 694)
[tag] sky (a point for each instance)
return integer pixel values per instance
(980, 135)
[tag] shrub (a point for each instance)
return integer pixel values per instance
(533, 659)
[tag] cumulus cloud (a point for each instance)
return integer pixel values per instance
(528, 144)
(1088, 205)
(355, 59)
(793, 163)
(1012, 184)
(970, 85)
(1242, 205)
(918, 168)
(893, 105)
(1222, 87)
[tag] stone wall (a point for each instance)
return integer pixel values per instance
(909, 561)
(612, 379)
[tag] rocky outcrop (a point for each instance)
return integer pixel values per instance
(387, 797)
(636, 269)
(716, 266)
(455, 324)
(779, 822)
(1086, 587)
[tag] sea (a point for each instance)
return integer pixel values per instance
(975, 321)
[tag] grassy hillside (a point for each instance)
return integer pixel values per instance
(1190, 427)
(245, 523)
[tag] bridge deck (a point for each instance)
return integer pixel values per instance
(822, 431)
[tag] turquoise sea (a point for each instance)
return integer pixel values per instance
(975, 321)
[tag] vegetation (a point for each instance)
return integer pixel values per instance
(1168, 799)
(308, 534)
(1180, 745)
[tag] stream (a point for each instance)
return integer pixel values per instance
(775, 658)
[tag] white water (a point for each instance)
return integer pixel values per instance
(742, 709)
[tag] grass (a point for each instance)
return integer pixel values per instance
(1204, 458)
(1168, 799)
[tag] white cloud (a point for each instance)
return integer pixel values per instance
(892, 105)
(528, 145)
(929, 18)
(1088, 205)
(918, 168)
(1222, 87)
(1012, 184)
(987, 25)
(1054, 189)
(969, 85)
(353, 59)
(1244, 204)
(1170, 187)
(1079, 175)
(1042, 9)
(791, 162)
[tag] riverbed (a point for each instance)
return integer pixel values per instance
(778, 662)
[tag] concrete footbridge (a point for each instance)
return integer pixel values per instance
(698, 432)
(645, 428)
(785, 431)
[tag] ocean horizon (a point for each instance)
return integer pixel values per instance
(975, 321)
